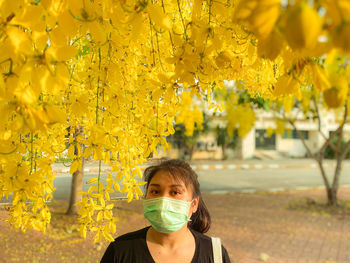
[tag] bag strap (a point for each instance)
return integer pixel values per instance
(217, 252)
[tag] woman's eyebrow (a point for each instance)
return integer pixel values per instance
(177, 185)
(173, 185)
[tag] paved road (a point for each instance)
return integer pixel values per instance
(251, 180)
(247, 180)
(238, 180)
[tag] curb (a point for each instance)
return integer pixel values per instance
(272, 190)
(219, 167)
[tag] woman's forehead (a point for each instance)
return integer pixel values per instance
(165, 177)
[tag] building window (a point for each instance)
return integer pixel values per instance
(294, 135)
(211, 146)
(263, 141)
(201, 146)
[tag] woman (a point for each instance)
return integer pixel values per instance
(178, 216)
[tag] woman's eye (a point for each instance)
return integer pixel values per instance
(154, 192)
(174, 192)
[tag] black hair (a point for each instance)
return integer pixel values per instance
(200, 220)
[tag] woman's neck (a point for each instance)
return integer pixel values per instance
(171, 240)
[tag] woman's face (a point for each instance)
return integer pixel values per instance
(164, 185)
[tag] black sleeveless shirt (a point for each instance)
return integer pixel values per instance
(132, 248)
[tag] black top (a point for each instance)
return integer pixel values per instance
(132, 247)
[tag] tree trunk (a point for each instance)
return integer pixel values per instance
(223, 148)
(191, 153)
(77, 177)
(332, 193)
(77, 186)
(332, 196)
(184, 153)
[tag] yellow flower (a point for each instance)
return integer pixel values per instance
(271, 46)
(158, 17)
(259, 16)
(341, 37)
(303, 27)
(320, 77)
(286, 85)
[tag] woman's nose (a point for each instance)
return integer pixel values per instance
(165, 194)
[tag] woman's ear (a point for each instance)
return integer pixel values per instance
(195, 204)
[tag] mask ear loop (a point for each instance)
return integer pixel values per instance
(189, 220)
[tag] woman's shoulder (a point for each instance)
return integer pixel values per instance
(204, 244)
(138, 234)
(201, 237)
(130, 247)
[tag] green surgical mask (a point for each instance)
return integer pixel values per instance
(166, 215)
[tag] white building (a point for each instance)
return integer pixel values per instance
(258, 144)
(289, 144)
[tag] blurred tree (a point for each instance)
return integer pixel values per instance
(187, 143)
(238, 116)
(334, 141)
(226, 141)
(316, 102)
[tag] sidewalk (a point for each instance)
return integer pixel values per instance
(92, 166)
(252, 225)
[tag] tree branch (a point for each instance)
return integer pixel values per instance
(323, 173)
(328, 141)
(340, 153)
(318, 159)
(347, 145)
(319, 125)
(345, 150)
(318, 115)
(302, 139)
(340, 136)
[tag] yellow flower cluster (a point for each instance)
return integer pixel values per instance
(190, 114)
(112, 75)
